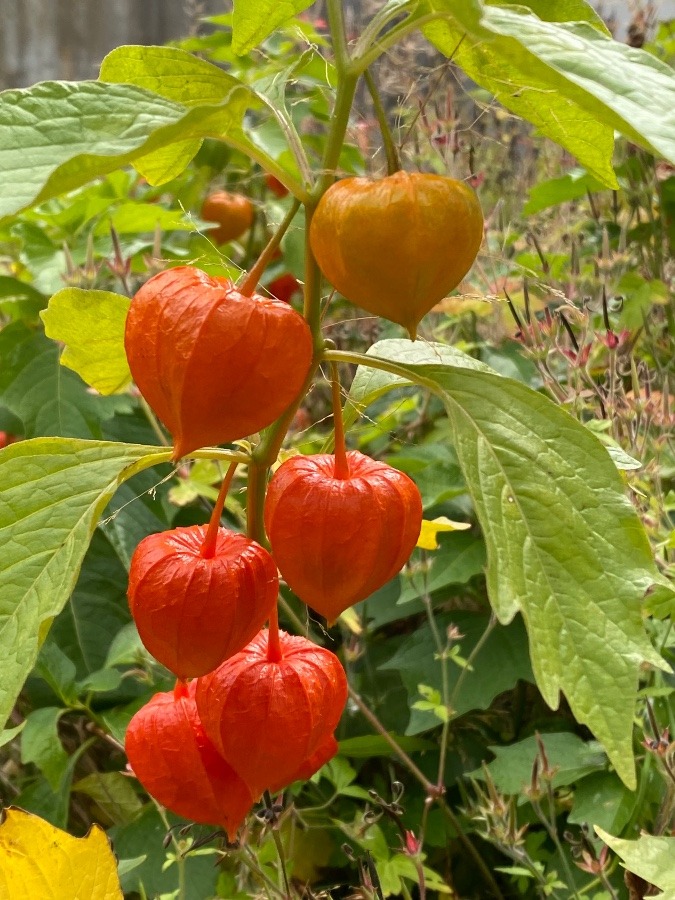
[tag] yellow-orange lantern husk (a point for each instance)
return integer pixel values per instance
(214, 365)
(395, 246)
(337, 540)
(178, 765)
(234, 214)
(192, 611)
(267, 717)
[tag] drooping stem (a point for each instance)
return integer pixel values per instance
(393, 161)
(208, 549)
(250, 283)
(274, 653)
(341, 463)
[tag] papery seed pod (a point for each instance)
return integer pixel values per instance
(178, 765)
(233, 212)
(397, 245)
(323, 754)
(192, 611)
(337, 540)
(213, 364)
(268, 717)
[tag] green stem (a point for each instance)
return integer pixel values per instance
(391, 153)
(393, 36)
(471, 659)
(250, 283)
(312, 290)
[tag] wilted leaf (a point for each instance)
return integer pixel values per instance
(38, 860)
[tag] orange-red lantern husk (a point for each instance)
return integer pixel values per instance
(213, 364)
(268, 717)
(319, 758)
(193, 612)
(178, 765)
(337, 540)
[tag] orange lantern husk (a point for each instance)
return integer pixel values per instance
(267, 717)
(178, 765)
(336, 540)
(233, 213)
(397, 245)
(193, 611)
(214, 365)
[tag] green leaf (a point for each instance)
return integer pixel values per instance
(254, 20)
(500, 663)
(41, 745)
(602, 799)
(113, 794)
(368, 745)
(572, 186)
(49, 399)
(461, 557)
(19, 300)
(570, 79)
(59, 672)
(195, 83)
(511, 769)
(8, 734)
(564, 545)
(54, 491)
(651, 858)
(91, 325)
(63, 134)
(87, 626)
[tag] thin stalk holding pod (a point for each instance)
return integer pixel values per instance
(341, 463)
(391, 153)
(208, 548)
(250, 282)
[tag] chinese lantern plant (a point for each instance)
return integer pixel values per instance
(200, 594)
(356, 519)
(178, 765)
(215, 364)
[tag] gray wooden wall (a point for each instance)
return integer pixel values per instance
(67, 39)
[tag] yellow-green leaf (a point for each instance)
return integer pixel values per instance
(428, 539)
(91, 325)
(650, 858)
(39, 860)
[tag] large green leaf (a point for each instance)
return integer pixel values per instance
(53, 492)
(651, 858)
(570, 79)
(91, 325)
(564, 545)
(184, 78)
(254, 20)
(57, 136)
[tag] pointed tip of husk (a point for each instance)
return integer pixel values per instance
(412, 331)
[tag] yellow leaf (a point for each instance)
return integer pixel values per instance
(431, 527)
(39, 860)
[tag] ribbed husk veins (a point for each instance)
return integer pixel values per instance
(398, 245)
(178, 765)
(233, 212)
(193, 613)
(269, 718)
(213, 364)
(337, 540)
